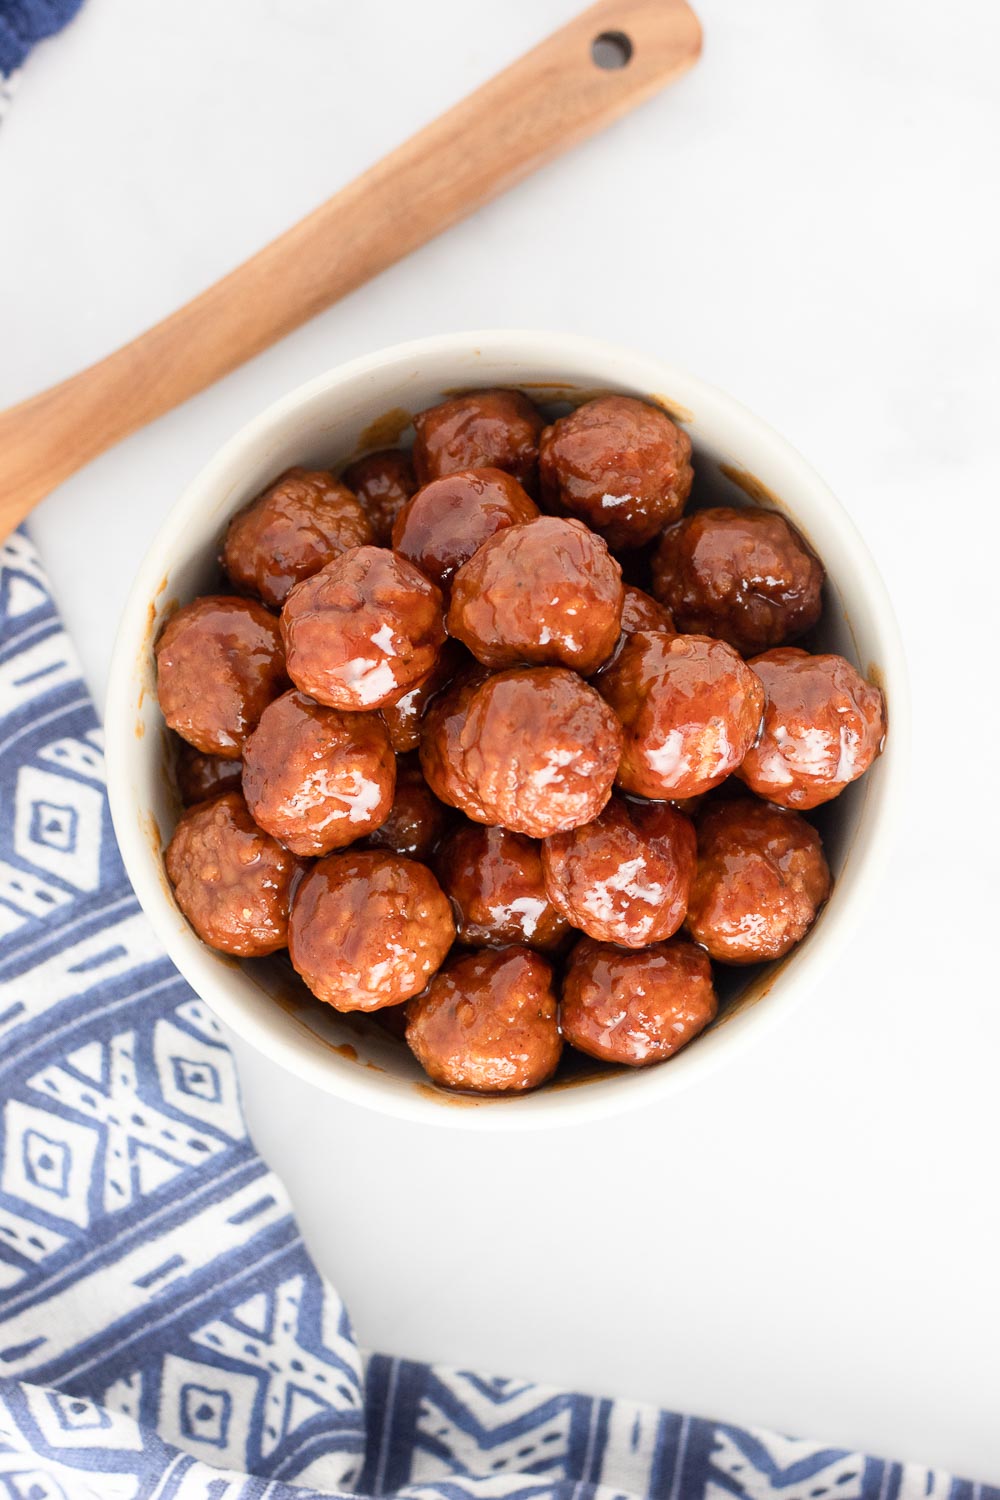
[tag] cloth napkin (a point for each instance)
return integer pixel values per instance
(163, 1332)
(22, 24)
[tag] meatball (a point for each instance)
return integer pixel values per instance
(362, 630)
(481, 430)
(539, 749)
(744, 576)
(288, 533)
(546, 591)
(416, 819)
(620, 465)
(403, 715)
(487, 1023)
(639, 1007)
(439, 745)
(219, 663)
(368, 929)
(450, 518)
(823, 727)
(317, 778)
(202, 776)
(690, 708)
(383, 482)
(232, 881)
(641, 612)
(494, 880)
(761, 879)
(625, 877)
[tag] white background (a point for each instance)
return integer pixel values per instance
(812, 1240)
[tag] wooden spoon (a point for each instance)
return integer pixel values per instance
(608, 59)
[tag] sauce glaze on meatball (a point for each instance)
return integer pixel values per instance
(317, 778)
(620, 465)
(540, 749)
(290, 531)
(625, 877)
(368, 929)
(440, 745)
(642, 612)
(823, 727)
(382, 482)
(487, 1023)
(219, 662)
(450, 519)
(494, 880)
(493, 429)
(363, 630)
(690, 708)
(201, 776)
(636, 1007)
(416, 821)
(546, 592)
(744, 576)
(232, 881)
(404, 715)
(761, 879)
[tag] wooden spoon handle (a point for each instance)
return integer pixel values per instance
(542, 104)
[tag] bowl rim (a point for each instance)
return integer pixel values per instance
(547, 1108)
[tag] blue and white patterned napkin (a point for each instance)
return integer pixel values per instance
(163, 1332)
(22, 24)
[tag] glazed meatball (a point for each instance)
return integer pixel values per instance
(761, 879)
(539, 749)
(743, 576)
(546, 591)
(416, 819)
(625, 877)
(202, 776)
(439, 745)
(219, 662)
(288, 533)
(823, 727)
(232, 881)
(481, 430)
(404, 715)
(487, 1023)
(639, 1007)
(494, 880)
(641, 612)
(368, 929)
(690, 708)
(383, 482)
(620, 465)
(317, 778)
(450, 519)
(363, 630)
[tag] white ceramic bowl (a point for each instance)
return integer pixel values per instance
(365, 404)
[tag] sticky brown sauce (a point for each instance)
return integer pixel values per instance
(753, 487)
(151, 829)
(458, 1101)
(759, 985)
(385, 431)
(672, 408)
(575, 1070)
(290, 995)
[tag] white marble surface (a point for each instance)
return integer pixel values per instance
(808, 219)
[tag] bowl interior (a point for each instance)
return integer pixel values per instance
(368, 405)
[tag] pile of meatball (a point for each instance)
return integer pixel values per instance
(437, 741)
